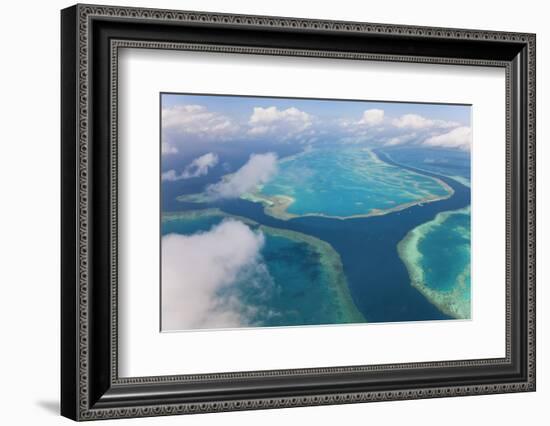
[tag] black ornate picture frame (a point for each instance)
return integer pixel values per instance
(90, 39)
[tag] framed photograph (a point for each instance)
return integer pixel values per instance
(263, 212)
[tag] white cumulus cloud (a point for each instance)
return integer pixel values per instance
(364, 128)
(401, 139)
(197, 272)
(259, 169)
(461, 138)
(167, 148)
(198, 122)
(372, 117)
(281, 122)
(415, 121)
(198, 167)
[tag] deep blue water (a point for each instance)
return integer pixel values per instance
(449, 162)
(378, 280)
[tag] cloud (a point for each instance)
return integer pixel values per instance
(166, 149)
(461, 138)
(415, 121)
(401, 139)
(198, 122)
(199, 271)
(283, 123)
(198, 167)
(372, 117)
(365, 128)
(259, 169)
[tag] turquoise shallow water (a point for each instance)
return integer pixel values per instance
(348, 181)
(437, 256)
(449, 248)
(298, 283)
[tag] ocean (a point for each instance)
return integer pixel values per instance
(378, 280)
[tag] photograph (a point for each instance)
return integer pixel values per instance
(279, 211)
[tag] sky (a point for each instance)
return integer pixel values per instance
(241, 106)
(190, 119)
